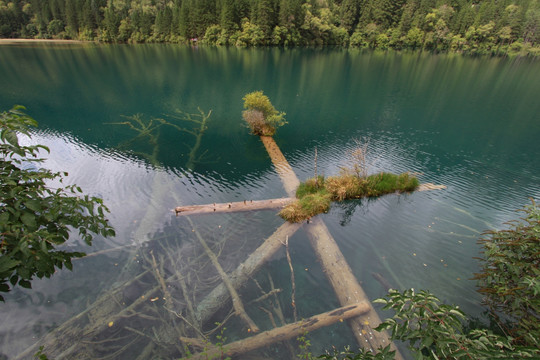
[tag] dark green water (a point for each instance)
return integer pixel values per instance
(472, 124)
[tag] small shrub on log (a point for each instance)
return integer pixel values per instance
(260, 114)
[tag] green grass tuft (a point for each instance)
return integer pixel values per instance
(311, 186)
(316, 194)
(309, 205)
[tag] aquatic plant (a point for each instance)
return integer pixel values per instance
(260, 114)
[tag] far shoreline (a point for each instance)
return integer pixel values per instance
(41, 41)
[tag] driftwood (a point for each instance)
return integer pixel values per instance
(246, 205)
(430, 186)
(283, 333)
(337, 270)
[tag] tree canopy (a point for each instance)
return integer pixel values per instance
(37, 215)
(490, 26)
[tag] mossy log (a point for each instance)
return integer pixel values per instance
(282, 333)
(238, 206)
(336, 268)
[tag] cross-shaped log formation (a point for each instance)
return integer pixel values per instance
(174, 284)
(346, 287)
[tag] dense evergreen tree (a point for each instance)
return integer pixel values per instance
(488, 26)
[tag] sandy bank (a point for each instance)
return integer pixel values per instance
(39, 41)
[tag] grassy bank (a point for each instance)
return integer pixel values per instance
(316, 194)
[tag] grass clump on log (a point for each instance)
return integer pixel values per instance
(316, 194)
(260, 115)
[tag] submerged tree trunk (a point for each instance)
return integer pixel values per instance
(282, 333)
(336, 268)
(218, 297)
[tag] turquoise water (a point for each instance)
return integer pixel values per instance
(469, 123)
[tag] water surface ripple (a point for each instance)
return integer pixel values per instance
(469, 123)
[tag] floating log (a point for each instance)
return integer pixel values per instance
(282, 333)
(251, 205)
(246, 205)
(336, 268)
(430, 186)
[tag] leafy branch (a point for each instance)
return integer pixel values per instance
(35, 218)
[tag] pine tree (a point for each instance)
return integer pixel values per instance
(531, 26)
(350, 14)
(227, 17)
(265, 16)
(72, 23)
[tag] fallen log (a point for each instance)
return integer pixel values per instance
(237, 302)
(283, 333)
(220, 295)
(346, 286)
(430, 186)
(246, 205)
(284, 170)
(336, 268)
(382, 280)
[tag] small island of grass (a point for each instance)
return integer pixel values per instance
(316, 194)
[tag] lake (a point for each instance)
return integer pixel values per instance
(470, 123)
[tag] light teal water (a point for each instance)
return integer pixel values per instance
(469, 123)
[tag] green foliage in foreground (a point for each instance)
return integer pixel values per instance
(435, 331)
(508, 278)
(260, 115)
(510, 275)
(36, 214)
(316, 194)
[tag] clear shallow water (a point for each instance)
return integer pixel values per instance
(469, 123)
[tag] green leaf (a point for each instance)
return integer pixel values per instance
(4, 218)
(427, 341)
(11, 137)
(34, 205)
(25, 284)
(29, 220)
(7, 264)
